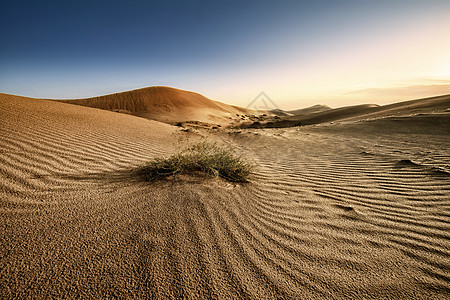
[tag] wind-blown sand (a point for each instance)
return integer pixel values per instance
(354, 210)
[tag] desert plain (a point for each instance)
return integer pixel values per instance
(351, 202)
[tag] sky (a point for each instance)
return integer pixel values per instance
(300, 53)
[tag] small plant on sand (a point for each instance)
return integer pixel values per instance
(205, 157)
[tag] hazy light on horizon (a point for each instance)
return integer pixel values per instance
(298, 52)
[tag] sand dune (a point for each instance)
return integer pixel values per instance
(42, 138)
(408, 108)
(300, 112)
(365, 111)
(164, 104)
(309, 110)
(356, 210)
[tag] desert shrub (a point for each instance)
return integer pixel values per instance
(206, 157)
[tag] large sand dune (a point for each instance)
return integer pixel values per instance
(164, 104)
(356, 210)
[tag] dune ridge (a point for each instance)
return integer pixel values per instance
(163, 104)
(309, 110)
(365, 111)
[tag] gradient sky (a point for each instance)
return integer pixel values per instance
(298, 52)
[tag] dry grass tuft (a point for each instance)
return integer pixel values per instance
(205, 157)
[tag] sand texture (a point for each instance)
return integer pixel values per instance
(358, 210)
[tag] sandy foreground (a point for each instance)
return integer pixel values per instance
(351, 210)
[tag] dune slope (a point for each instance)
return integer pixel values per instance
(366, 111)
(163, 104)
(310, 110)
(334, 211)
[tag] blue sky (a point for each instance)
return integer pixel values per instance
(298, 52)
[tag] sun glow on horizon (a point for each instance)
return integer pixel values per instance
(300, 53)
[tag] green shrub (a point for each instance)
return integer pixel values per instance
(205, 157)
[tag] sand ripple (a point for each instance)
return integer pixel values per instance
(328, 216)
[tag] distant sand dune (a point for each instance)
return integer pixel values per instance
(332, 213)
(309, 110)
(366, 111)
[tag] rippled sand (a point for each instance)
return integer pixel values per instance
(356, 210)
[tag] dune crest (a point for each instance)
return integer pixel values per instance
(163, 104)
(319, 114)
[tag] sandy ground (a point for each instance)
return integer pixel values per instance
(352, 210)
